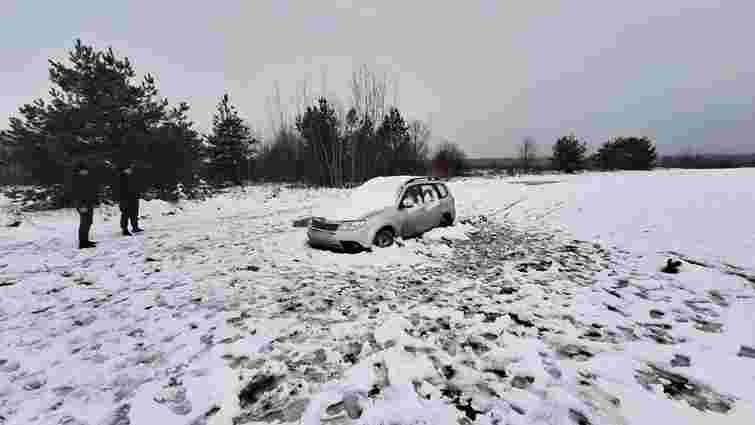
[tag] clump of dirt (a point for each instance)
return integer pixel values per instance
(522, 382)
(677, 387)
(672, 266)
(578, 417)
(251, 393)
(522, 322)
(708, 326)
(681, 360)
(659, 332)
(745, 351)
(455, 396)
(573, 351)
(540, 266)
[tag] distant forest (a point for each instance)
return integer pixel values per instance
(696, 161)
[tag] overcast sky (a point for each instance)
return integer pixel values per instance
(484, 73)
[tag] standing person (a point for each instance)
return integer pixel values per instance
(85, 190)
(128, 199)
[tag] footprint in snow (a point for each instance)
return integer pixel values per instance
(550, 366)
(70, 420)
(681, 360)
(575, 352)
(120, 416)
(9, 366)
(34, 383)
(679, 387)
(63, 391)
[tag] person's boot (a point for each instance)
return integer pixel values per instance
(87, 244)
(126, 232)
(137, 230)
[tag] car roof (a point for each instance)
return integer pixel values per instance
(391, 180)
(394, 184)
(425, 180)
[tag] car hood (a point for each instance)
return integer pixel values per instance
(372, 197)
(359, 206)
(347, 211)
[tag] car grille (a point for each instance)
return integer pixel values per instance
(320, 224)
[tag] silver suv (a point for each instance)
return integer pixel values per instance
(382, 209)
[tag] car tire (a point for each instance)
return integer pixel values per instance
(447, 220)
(384, 238)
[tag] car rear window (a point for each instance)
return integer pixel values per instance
(442, 190)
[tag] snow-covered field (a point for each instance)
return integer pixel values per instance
(545, 305)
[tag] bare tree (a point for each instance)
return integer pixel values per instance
(419, 134)
(277, 116)
(369, 91)
(351, 150)
(527, 154)
(350, 125)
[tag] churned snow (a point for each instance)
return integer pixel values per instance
(544, 304)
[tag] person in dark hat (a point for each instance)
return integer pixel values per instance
(128, 200)
(85, 190)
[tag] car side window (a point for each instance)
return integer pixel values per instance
(442, 190)
(429, 193)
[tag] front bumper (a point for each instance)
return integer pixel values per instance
(338, 239)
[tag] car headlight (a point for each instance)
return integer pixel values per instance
(352, 225)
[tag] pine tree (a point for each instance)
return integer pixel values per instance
(97, 112)
(393, 136)
(281, 159)
(627, 153)
(231, 143)
(176, 142)
(318, 127)
(366, 150)
(606, 156)
(569, 154)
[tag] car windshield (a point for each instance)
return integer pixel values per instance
(377, 193)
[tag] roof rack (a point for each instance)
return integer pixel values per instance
(425, 178)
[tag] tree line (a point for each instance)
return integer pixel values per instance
(569, 154)
(99, 113)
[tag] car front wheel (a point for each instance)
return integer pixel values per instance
(384, 238)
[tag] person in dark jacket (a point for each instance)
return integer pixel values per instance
(85, 190)
(128, 199)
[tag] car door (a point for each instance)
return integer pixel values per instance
(446, 203)
(432, 205)
(413, 212)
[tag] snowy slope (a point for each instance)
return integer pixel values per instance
(221, 314)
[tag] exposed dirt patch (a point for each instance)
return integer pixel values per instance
(252, 392)
(573, 351)
(677, 387)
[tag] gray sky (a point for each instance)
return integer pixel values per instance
(484, 73)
